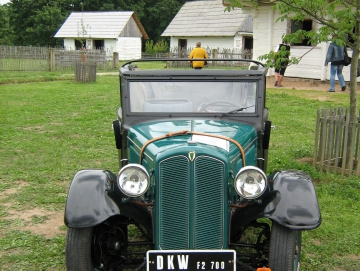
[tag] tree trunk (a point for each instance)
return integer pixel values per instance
(353, 89)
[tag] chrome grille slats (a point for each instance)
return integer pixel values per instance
(174, 198)
(209, 203)
(191, 203)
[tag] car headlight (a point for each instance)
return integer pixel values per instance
(133, 180)
(250, 182)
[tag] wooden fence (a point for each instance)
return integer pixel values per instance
(29, 58)
(212, 53)
(222, 53)
(331, 142)
(23, 58)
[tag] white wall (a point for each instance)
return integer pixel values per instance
(69, 44)
(128, 48)
(267, 34)
(109, 46)
(211, 42)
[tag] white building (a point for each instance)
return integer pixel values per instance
(114, 31)
(209, 23)
(267, 34)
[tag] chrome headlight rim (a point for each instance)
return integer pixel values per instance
(252, 170)
(133, 168)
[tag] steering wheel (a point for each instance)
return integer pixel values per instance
(228, 106)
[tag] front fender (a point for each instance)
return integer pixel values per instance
(296, 207)
(88, 202)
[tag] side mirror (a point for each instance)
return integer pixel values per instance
(117, 133)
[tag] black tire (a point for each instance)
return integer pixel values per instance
(285, 248)
(78, 249)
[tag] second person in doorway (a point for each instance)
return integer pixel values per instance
(282, 54)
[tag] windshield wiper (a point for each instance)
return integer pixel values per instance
(236, 110)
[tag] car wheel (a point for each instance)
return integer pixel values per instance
(285, 248)
(94, 248)
(78, 249)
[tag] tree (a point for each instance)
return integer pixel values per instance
(339, 21)
(6, 33)
(159, 15)
(36, 22)
(46, 22)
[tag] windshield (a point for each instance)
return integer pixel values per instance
(215, 96)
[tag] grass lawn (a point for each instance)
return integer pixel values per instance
(52, 127)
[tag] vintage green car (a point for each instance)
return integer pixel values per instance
(192, 191)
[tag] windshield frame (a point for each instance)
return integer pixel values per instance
(129, 118)
(191, 97)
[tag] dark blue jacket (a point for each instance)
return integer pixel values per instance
(334, 53)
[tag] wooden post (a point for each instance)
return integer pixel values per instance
(116, 60)
(51, 60)
(317, 138)
(215, 55)
(169, 63)
(92, 72)
(83, 66)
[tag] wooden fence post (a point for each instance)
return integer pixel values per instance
(51, 59)
(215, 55)
(169, 64)
(116, 60)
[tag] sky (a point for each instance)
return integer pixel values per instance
(2, 2)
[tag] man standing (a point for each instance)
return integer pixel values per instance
(282, 54)
(198, 52)
(336, 55)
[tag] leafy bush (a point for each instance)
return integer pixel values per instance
(159, 47)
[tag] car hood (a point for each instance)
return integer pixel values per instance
(244, 134)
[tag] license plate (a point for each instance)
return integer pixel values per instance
(165, 260)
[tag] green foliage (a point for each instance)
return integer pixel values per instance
(6, 32)
(159, 47)
(159, 13)
(273, 59)
(35, 22)
(149, 46)
(46, 22)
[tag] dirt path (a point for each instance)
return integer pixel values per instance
(306, 84)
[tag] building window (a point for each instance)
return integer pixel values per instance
(306, 25)
(79, 44)
(248, 44)
(99, 44)
(182, 44)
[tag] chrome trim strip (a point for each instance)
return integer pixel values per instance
(132, 141)
(245, 150)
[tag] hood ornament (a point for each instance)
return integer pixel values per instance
(192, 155)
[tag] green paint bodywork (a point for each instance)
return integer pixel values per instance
(197, 175)
(139, 134)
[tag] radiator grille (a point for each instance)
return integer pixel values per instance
(209, 203)
(191, 203)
